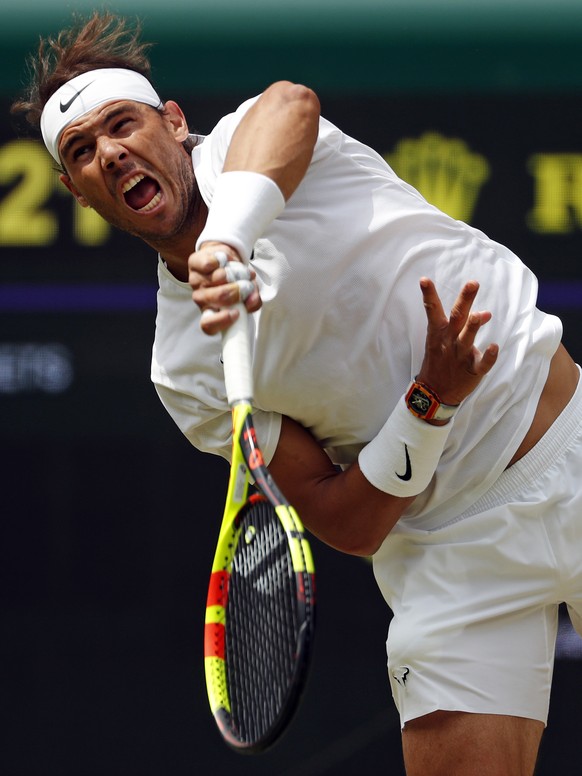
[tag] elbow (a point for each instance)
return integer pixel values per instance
(362, 547)
(307, 98)
(362, 543)
(361, 530)
(352, 528)
(302, 100)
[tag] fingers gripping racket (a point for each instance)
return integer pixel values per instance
(260, 610)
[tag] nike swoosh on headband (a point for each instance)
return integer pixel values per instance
(64, 106)
(408, 473)
(107, 85)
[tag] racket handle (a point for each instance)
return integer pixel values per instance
(236, 356)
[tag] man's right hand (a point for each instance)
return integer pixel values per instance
(212, 291)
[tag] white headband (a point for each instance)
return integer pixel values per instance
(85, 92)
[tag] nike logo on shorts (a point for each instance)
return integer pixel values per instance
(64, 106)
(408, 473)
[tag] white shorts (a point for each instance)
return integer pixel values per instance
(475, 601)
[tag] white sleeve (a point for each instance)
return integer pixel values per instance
(209, 157)
(210, 431)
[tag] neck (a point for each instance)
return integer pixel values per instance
(176, 251)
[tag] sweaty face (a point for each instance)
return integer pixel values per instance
(126, 160)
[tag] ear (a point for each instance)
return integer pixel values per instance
(174, 115)
(66, 181)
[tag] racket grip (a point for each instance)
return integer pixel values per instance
(236, 356)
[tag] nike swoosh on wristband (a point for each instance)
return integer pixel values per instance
(408, 473)
(64, 106)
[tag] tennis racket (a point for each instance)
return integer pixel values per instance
(259, 624)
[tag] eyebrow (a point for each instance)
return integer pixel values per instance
(110, 114)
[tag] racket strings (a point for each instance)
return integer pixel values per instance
(263, 623)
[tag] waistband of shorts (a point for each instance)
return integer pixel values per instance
(551, 447)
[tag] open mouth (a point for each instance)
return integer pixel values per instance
(142, 193)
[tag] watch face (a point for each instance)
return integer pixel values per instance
(419, 402)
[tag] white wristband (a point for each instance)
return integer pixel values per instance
(403, 456)
(243, 205)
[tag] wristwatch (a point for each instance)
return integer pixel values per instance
(423, 402)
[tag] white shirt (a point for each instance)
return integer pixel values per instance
(342, 328)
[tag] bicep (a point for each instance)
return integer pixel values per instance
(340, 507)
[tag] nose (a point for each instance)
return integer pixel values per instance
(110, 152)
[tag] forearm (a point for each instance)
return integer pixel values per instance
(276, 137)
(268, 155)
(349, 514)
(342, 508)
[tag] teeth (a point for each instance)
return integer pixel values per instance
(132, 182)
(151, 204)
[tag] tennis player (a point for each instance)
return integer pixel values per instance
(403, 423)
